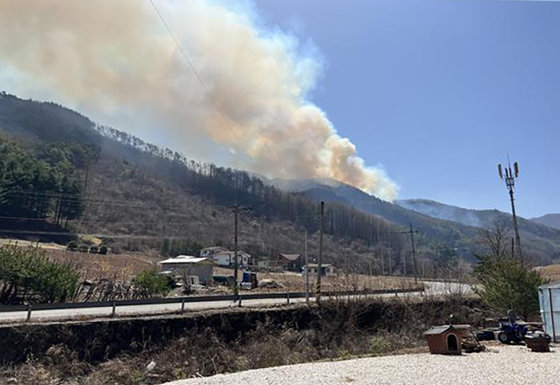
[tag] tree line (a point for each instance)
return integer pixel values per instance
(43, 182)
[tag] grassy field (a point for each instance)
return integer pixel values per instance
(550, 272)
(291, 281)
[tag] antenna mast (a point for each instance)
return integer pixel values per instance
(509, 176)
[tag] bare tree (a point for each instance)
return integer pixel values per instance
(496, 238)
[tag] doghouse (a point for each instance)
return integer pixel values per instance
(446, 339)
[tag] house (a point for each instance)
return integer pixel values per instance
(226, 258)
(326, 269)
(446, 339)
(291, 262)
(210, 251)
(184, 266)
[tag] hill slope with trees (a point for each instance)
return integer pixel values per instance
(136, 196)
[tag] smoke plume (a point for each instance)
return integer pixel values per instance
(115, 60)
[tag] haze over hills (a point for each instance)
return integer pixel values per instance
(552, 220)
(455, 226)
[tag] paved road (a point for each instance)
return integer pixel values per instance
(432, 288)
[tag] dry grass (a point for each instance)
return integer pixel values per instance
(337, 331)
(121, 267)
(550, 272)
(296, 282)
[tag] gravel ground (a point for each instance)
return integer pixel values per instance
(502, 365)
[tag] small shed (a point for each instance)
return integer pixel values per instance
(184, 266)
(326, 269)
(549, 300)
(446, 339)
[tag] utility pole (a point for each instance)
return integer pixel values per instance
(320, 256)
(236, 210)
(510, 184)
(411, 232)
(306, 271)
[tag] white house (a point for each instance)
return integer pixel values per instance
(210, 251)
(186, 265)
(326, 269)
(225, 258)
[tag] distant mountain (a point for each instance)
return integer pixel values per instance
(451, 213)
(480, 218)
(552, 220)
(448, 233)
(454, 226)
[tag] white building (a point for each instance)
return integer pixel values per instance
(184, 266)
(326, 269)
(549, 300)
(225, 258)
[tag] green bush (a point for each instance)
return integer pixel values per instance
(27, 274)
(151, 284)
(72, 246)
(505, 285)
(94, 250)
(379, 345)
(103, 250)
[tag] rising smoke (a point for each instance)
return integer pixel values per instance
(115, 58)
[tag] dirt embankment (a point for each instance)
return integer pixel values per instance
(118, 351)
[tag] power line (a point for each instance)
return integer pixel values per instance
(193, 69)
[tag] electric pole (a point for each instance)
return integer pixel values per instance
(411, 232)
(306, 271)
(320, 256)
(510, 176)
(236, 210)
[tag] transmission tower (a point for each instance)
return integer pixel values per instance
(509, 176)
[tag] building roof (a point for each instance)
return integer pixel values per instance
(553, 285)
(290, 257)
(443, 328)
(213, 248)
(186, 259)
(315, 265)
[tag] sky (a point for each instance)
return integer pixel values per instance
(440, 92)
(427, 95)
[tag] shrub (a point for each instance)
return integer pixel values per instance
(150, 284)
(103, 250)
(94, 250)
(505, 285)
(27, 273)
(379, 345)
(72, 246)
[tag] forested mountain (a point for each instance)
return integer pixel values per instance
(483, 218)
(136, 195)
(552, 220)
(455, 227)
(67, 175)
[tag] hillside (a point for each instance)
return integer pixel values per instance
(137, 196)
(534, 231)
(452, 226)
(551, 220)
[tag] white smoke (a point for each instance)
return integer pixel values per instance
(116, 60)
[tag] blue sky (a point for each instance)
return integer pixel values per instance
(439, 92)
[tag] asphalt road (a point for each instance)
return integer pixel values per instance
(432, 288)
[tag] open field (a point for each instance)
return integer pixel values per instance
(551, 272)
(503, 364)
